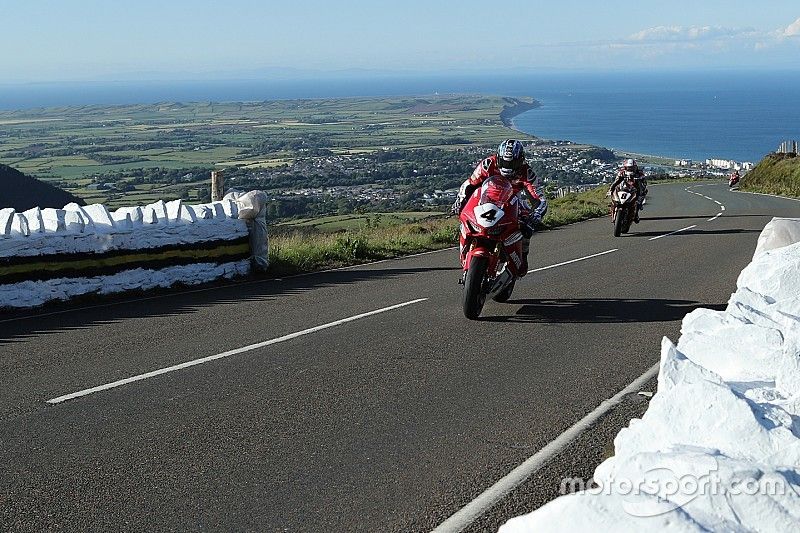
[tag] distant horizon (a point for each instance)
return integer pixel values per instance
(735, 114)
(43, 94)
(298, 75)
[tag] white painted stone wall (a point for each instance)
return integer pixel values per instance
(719, 446)
(93, 228)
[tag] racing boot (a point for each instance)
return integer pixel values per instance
(526, 247)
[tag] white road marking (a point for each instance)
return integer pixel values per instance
(722, 207)
(467, 515)
(673, 232)
(229, 353)
(715, 217)
(572, 261)
(765, 194)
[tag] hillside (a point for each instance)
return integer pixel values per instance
(775, 174)
(24, 192)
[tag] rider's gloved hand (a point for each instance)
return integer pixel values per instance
(456, 207)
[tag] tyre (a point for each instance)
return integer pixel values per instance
(619, 222)
(474, 297)
(505, 294)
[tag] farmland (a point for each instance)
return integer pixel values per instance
(166, 150)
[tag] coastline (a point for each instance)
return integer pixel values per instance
(659, 159)
(516, 107)
(509, 123)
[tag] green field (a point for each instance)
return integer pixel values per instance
(76, 146)
(355, 222)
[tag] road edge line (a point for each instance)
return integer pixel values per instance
(488, 498)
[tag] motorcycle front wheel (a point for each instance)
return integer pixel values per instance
(474, 297)
(619, 223)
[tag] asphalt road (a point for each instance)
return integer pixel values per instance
(386, 422)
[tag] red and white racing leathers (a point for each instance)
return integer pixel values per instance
(525, 179)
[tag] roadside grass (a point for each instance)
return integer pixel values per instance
(776, 174)
(299, 249)
(575, 207)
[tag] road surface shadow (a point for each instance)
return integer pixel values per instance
(691, 232)
(697, 217)
(16, 326)
(601, 310)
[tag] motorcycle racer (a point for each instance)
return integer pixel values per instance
(630, 169)
(509, 161)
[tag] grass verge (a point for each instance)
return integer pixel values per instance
(298, 250)
(777, 174)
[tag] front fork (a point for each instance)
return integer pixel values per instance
(490, 284)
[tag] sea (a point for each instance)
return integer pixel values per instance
(740, 115)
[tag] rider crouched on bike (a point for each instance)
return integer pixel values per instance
(509, 162)
(630, 169)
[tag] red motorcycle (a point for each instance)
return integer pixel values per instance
(492, 250)
(733, 179)
(623, 205)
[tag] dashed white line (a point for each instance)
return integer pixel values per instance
(573, 261)
(712, 219)
(467, 515)
(672, 232)
(229, 353)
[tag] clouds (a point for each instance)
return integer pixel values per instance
(713, 37)
(672, 34)
(689, 46)
(792, 30)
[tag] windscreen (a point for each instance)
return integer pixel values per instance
(496, 190)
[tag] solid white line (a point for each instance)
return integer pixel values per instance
(229, 353)
(673, 233)
(572, 261)
(463, 518)
(765, 194)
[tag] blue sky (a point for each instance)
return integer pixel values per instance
(49, 40)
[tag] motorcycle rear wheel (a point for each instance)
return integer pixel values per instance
(473, 296)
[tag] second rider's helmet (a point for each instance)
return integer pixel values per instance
(510, 157)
